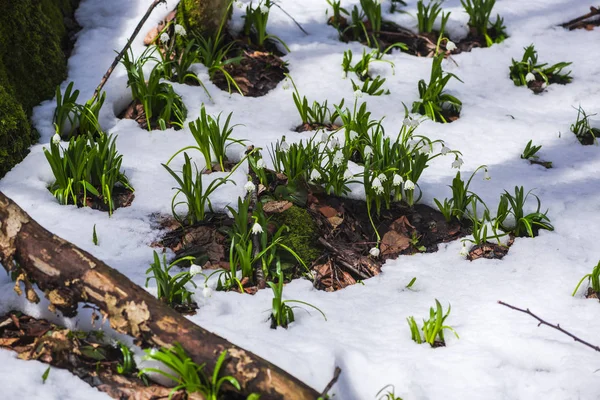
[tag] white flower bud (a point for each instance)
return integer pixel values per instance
(206, 292)
(264, 9)
(358, 94)
(374, 252)
(397, 181)
(164, 38)
(260, 164)
(180, 30)
(530, 77)
(445, 150)
(450, 46)
(315, 175)
(249, 187)
(195, 269)
(409, 185)
(457, 163)
(257, 228)
(56, 138)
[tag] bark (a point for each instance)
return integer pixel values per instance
(68, 275)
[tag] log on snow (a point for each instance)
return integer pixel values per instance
(69, 275)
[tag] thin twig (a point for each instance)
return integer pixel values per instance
(593, 11)
(336, 375)
(292, 18)
(343, 263)
(557, 326)
(122, 52)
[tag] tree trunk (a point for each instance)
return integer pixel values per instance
(201, 16)
(69, 275)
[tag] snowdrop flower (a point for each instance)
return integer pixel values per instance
(445, 150)
(377, 188)
(464, 252)
(195, 269)
(374, 252)
(348, 175)
(284, 146)
(409, 185)
(486, 175)
(352, 135)
(338, 158)
(324, 137)
(358, 94)
(249, 187)
(315, 175)
(450, 46)
(180, 30)
(382, 177)
(164, 38)
(368, 151)
(260, 164)
(544, 85)
(335, 143)
(457, 163)
(256, 228)
(344, 75)
(264, 9)
(239, 4)
(286, 84)
(56, 138)
(153, 351)
(530, 77)
(397, 181)
(206, 292)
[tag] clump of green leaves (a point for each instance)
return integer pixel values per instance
(480, 12)
(372, 87)
(87, 167)
(389, 395)
(171, 289)
(282, 314)
(530, 151)
(522, 223)
(529, 72)
(128, 365)
(361, 68)
(71, 119)
(433, 101)
(456, 206)
(582, 129)
(212, 138)
(197, 197)
(255, 24)
(317, 115)
(188, 375)
(427, 14)
(433, 328)
(593, 278)
(162, 106)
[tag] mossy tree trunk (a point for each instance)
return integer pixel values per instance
(201, 16)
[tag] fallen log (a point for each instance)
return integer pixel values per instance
(69, 275)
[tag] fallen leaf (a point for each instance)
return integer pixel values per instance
(328, 211)
(276, 207)
(393, 243)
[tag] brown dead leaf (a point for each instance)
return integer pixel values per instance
(276, 207)
(8, 342)
(401, 225)
(394, 242)
(335, 221)
(328, 211)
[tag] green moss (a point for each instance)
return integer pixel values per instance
(201, 16)
(33, 38)
(303, 234)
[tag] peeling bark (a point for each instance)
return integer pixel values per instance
(68, 275)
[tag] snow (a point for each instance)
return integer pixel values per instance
(501, 354)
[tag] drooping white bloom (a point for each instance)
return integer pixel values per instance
(530, 77)
(239, 4)
(377, 188)
(164, 38)
(544, 85)
(445, 150)
(374, 252)
(409, 185)
(286, 84)
(257, 228)
(457, 163)
(382, 177)
(180, 30)
(464, 251)
(397, 181)
(407, 121)
(153, 351)
(368, 151)
(264, 9)
(260, 164)
(195, 269)
(284, 146)
(315, 175)
(486, 175)
(338, 158)
(335, 143)
(344, 75)
(348, 175)
(352, 135)
(358, 94)
(56, 138)
(249, 187)
(379, 2)
(206, 292)
(450, 46)
(324, 137)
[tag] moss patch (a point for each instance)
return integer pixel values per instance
(201, 16)
(33, 38)
(303, 234)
